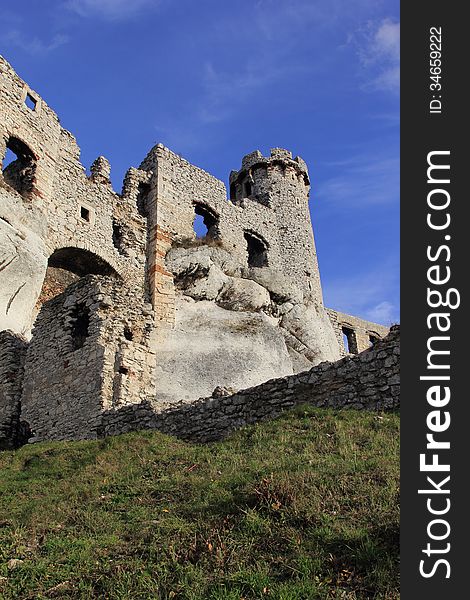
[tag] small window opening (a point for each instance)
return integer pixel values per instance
(142, 195)
(257, 250)
(19, 166)
(373, 339)
(118, 237)
(128, 334)
(85, 214)
(80, 326)
(30, 102)
(248, 189)
(349, 340)
(124, 370)
(206, 223)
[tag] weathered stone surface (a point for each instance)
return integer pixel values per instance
(22, 268)
(281, 288)
(243, 295)
(310, 326)
(211, 346)
(343, 384)
(12, 356)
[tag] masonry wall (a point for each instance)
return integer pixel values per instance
(12, 356)
(364, 333)
(283, 222)
(90, 352)
(368, 381)
(64, 219)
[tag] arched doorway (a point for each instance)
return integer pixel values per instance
(68, 264)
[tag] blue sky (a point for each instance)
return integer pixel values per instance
(215, 80)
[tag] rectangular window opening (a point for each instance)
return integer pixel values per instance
(349, 340)
(85, 214)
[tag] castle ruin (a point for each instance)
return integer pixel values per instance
(111, 300)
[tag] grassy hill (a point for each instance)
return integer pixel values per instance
(299, 508)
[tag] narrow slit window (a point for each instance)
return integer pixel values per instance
(85, 214)
(142, 195)
(233, 191)
(80, 326)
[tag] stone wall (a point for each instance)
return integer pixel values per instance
(276, 213)
(51, 213)
(360, 334)
(89, 352)
(369, 381)
(12, 356)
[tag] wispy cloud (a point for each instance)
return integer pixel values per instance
(384, 312)
(224, 92)
(378, 47)
(369, 295)
(112, 10)
(364, 180)
(32, 45)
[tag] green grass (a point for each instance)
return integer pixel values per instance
(299, 508)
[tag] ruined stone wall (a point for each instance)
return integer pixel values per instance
(361, 334)
(281, 183)
(369, 381)
(90, 352)
(51, 212)
(282, 222)
(12, 356)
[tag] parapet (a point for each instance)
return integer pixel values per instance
(277, 155)
(260, 177)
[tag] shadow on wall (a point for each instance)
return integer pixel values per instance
(367, 381)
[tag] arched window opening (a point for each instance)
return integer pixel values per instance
(30, 102)
(257, 250)
(373, 339)
(81, 262)
(128, 335)
(206, 223)
(66, 266)
(19, 166)
(80, 325)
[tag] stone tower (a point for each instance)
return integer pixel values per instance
(282, 184)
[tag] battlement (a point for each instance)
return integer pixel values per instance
(262, 178)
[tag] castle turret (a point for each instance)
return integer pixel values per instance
(281, 183)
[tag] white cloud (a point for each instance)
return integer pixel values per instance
(32, 45)
(383, 312)
(224, 91)
(378, 47)
(113, 10)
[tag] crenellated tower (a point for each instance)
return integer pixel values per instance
(281, 184)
